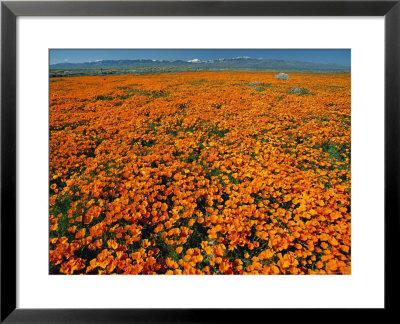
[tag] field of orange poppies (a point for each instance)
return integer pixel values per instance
(200, 173)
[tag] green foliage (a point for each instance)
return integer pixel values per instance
(197, 82)
(61, 206)
(172, 132)
(334, 150)
(159, 94)
(103, 98)
(260, 87)
(153, 128)
(299, 91)
(218, 132)
(148, 143)
(199, 234)
(192, 157)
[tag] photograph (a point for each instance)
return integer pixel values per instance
(199, 161)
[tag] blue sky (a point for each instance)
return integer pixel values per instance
(338, 56)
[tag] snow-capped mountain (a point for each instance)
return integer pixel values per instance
(236, 63)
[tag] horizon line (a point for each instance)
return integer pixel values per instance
(200, 60)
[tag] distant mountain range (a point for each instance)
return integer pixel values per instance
(237, 63)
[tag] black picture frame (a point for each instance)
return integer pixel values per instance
(10, 10)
